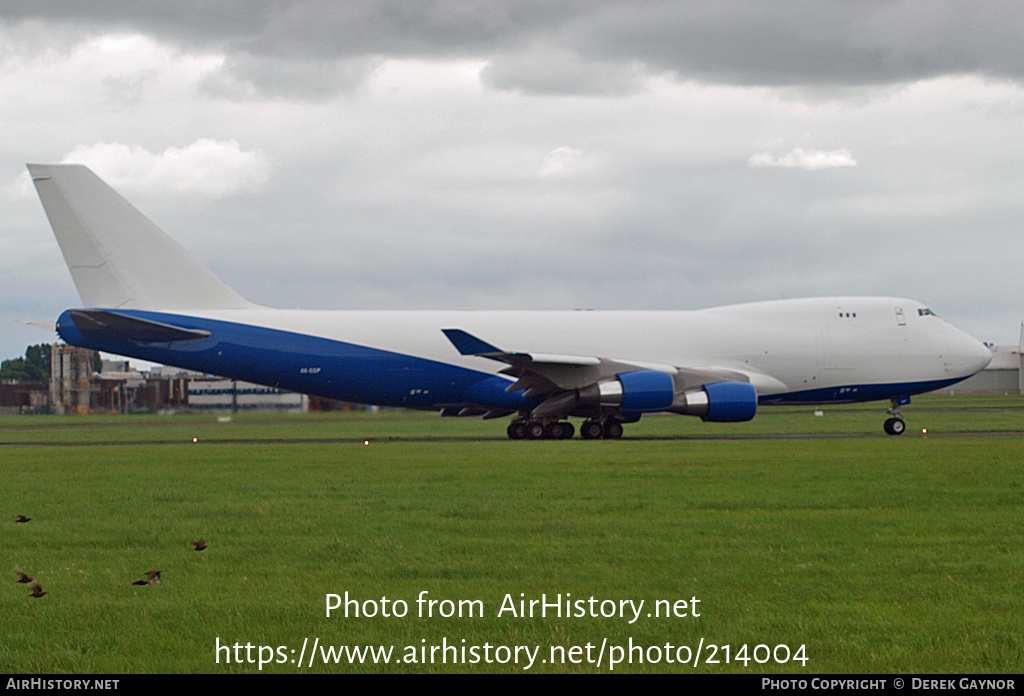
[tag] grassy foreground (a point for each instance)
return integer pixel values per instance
(876, 554)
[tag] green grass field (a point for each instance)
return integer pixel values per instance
(874, 553)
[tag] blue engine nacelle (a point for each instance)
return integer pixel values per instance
(641, 391)
(720, 402)
(651, 391)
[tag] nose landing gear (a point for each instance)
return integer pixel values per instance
(894, 425)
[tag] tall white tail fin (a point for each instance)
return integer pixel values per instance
(117, 256)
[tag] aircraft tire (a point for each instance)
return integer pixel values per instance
(591, 430)
(535, 430)
(562, 430)
(517, 430)
(895, 426)
(613, 430)
(555, 431)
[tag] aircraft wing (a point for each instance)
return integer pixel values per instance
(537, 373)
(567, 383)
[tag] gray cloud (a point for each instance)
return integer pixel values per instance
(809, 41)
(442, 154)
(573, 47)
(550, 69)
(247, 76)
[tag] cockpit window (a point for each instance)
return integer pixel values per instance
(925, 312)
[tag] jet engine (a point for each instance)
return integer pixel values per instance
(640, 391)
(720, 402)
(649, 391)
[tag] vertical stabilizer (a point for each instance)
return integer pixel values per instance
(116, 255)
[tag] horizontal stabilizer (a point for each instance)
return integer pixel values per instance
(47, 324)
(103, 324)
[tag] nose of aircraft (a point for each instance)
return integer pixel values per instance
(969, 355)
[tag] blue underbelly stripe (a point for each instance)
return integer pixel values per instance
(307, 364)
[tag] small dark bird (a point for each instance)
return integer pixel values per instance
(199, 545)
(22, 577)
(152, 578)
(37, 591)
(22, 518)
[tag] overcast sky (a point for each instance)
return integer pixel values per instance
(532, 155)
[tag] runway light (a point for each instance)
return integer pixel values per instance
(366, 442)
(924, 431)
(195, 439)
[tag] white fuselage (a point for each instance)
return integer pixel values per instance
(784, 346)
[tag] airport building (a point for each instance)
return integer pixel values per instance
(233, 395)
(18, 397)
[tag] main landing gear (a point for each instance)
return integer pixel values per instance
(894, 425)
(521, 429)
(593, 429)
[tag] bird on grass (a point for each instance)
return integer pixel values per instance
(199, 545)
(22, 577)
(22, 519)
(152, 578)
(37, 591)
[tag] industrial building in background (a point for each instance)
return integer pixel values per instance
(71, 371)
(229, 394)
(79, 382)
